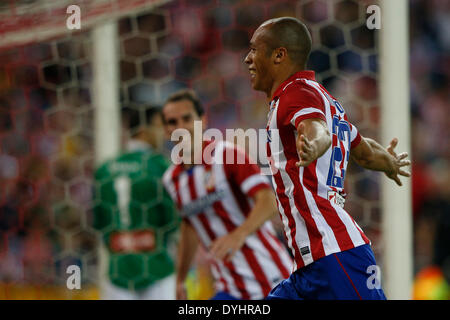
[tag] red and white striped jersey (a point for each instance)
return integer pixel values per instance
(310, 199)
(215, 199)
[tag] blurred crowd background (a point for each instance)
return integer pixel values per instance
(46, 122)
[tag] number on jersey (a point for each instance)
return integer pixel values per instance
(340, 153)
(122, 186)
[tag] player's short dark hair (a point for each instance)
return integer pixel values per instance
(135, 118)
(291, 34)
(190, 95)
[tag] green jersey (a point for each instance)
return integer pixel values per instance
(137, 218)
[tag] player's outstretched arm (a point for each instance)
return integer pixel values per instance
(265, 208)
(313, 139)
(371, 155)
(187, 247)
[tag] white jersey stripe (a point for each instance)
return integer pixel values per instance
(353, 133)
(218, 284)
(276, 246)
(354, 234)
(252, 181)
(186, 198)
(270, 269)
(229, 202)
(212, 219)
(360, 230)
(252, 286)
(318, 89)
(234, 291)
(329, 241)
(287, 230)
(301, 233)
(322, 164)
(303, 112)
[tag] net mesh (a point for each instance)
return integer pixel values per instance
(27, 21)
(46, 122)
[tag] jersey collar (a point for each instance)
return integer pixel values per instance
(305, 74)
(137, 145)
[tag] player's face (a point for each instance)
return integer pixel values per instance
(180, 115)
(260, 63)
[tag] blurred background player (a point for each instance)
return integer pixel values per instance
(309, 144)
(136, 215)
(227, 207)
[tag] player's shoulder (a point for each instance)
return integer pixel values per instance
(125, 163)
(224, 145)
(148, 160)
(106, 166)
(156, 159)
(129, 156)
(300, 90)
(223, 148)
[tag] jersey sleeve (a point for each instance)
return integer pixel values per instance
(355, 137)
(244, 172)
(302, 102)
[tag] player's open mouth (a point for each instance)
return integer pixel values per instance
(252, 73)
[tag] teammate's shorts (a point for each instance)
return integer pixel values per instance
(222, 295)
(163, 289)
(347, 275)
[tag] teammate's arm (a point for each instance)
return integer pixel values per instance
(264, 209)
(187, 247)
(313, 139)
(371, 155)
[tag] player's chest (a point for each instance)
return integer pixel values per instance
(200, 188)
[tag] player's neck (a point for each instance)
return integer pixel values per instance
(282, 76)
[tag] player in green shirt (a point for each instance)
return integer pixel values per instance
(136, 216)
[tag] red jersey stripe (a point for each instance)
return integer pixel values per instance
(273, 253)
(330, 215)
(291, 225)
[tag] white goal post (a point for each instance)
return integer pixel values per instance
(395, 122)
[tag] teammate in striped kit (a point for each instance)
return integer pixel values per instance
(227, 207)
(310, 142)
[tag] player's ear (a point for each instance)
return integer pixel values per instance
(280, 54)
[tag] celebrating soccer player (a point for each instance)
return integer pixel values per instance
(225, 205)
(310, 142)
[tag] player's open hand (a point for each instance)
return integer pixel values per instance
(225, 247)
(398, 162)
(305, 149)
